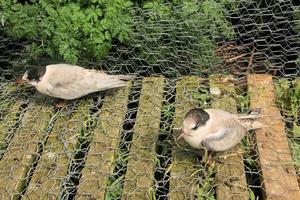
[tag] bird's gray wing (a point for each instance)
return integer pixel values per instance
(68, 75)
(214, 140)
(223, 140)
(70, 83)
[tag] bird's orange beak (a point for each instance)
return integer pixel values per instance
(20, 81)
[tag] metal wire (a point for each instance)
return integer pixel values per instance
(120, 144)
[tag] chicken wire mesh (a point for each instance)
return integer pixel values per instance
(120, 144)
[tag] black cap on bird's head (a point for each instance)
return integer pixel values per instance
(194, 119)
(198, 116)
(33, 75)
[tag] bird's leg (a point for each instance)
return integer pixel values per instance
(207, 157)
(61, 103)
(210, 157)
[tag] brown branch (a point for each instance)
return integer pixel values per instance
(231, 60)
(224, 48)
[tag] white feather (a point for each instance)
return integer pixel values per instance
(221, 132)
(71, 81)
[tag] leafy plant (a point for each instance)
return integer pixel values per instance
(114, 189)
(202, 96)
(206, 182)
(288, 99)
(168, 110)
(288, 95)
(181, 32)
(68, 29)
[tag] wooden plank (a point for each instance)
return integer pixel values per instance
(140, 169)
(58, 152)
(183, 183)
(230, 176)
(103, 147)
(278, 173)
(10, 109)
(23, 150)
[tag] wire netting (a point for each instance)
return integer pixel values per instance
(121, 143)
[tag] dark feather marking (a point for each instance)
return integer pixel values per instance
(199, 115)
(35, 73)
(58, 85)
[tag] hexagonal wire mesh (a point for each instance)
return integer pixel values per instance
(120, 144)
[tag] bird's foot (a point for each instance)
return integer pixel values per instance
(60, 104)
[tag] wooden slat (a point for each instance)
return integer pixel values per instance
(182, 181)
(11, 107)
(230, 176)
(279, 176)
(23, 149)
(104, 145)
(140, 169)
(58, 152)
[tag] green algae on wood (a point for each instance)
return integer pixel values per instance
(183, 183)
(139, 178)
(231, 162)
(10, 110)
(104, 144)
(23, 149)
(58, 152)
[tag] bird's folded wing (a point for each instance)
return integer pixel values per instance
(64, 77)
(75, 77)
(223, 139)
(214, 139)
(227, 123)
(224, 134)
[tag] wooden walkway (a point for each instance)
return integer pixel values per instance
(74, 153)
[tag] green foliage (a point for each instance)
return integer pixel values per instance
(68, 28)
(202, 96)
(288, 99)
(161, 33)
(168, 110)
(288, 96)
(206, 182)
(182, 30)
(114, 189)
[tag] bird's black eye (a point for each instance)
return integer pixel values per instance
(195, 128)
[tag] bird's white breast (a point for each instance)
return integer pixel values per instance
(219, 120)
(196, 138)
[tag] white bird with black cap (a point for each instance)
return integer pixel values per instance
(66, 82)
(217, 130)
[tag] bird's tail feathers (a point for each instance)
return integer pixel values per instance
(111, 83)
(252, 125)
(257, 125)
(254, 114)
(250, 121)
